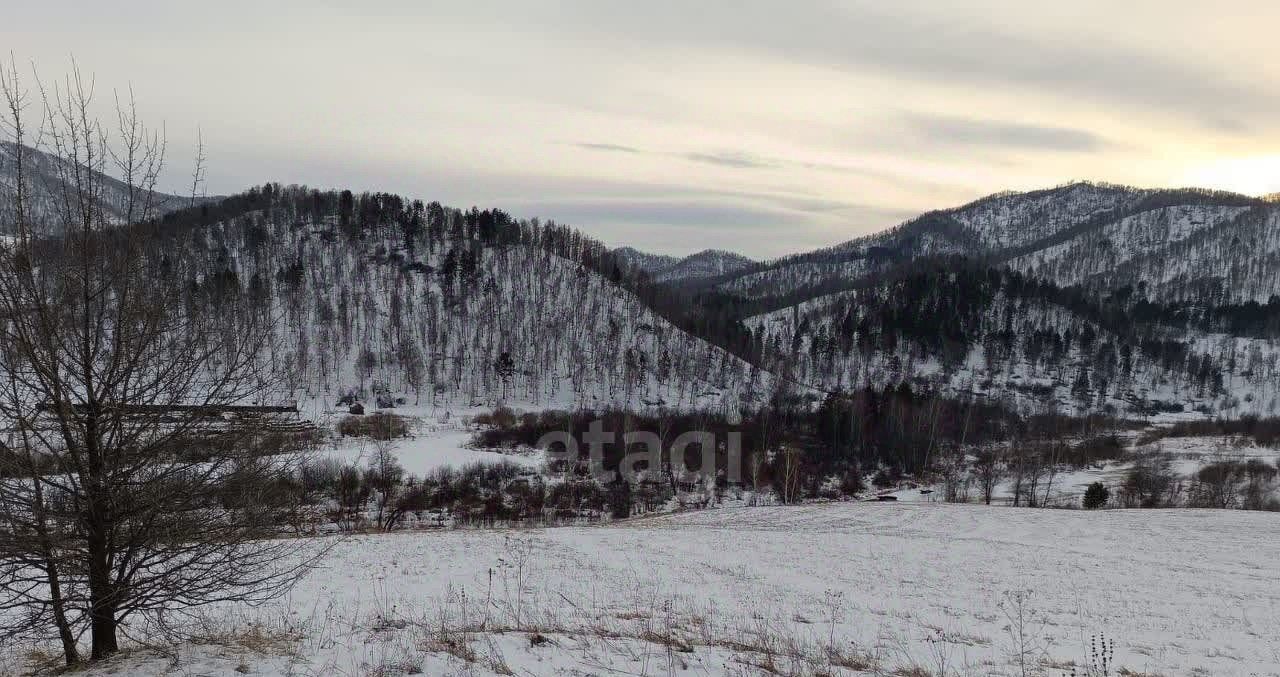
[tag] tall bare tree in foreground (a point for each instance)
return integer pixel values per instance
(125, 500)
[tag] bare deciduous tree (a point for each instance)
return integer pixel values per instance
(792, 459)
(989, 469)
(128, 493)
(385, 476)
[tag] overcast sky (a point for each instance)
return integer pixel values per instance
(763, 127)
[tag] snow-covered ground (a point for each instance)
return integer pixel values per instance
(1066, 486)
(429, 447)
(843, 588)
(438, 437)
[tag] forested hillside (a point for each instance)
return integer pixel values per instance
(969, 329)
(453, 306)
(1207, 255)
(669, 269)
(1067, 235)
(1084, 298)
(1087, 297)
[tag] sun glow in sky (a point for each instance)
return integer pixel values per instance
(763, 126)
(1249, 175)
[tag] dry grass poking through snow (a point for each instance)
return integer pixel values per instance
(845, 589)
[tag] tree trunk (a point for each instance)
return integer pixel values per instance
(102, 611)
(69, 650)
(58, 605)
(103, 625)
(102, 599)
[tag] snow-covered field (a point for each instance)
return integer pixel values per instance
(845, 588)
(426, 450)
(438, 437)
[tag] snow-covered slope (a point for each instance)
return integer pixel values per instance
(649, 263)
(706, 263)
(843, 589)
(477, 307)
(668, 269)
(1100, 251)
(1201, 256)
(1068, 235)
(975, 331)
(1018, 219)
(435, 301)
(44, 179)
(1188, 257)
(451, 306)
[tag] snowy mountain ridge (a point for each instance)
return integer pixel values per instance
(477, 307)
(450, 306)
(1030, 231)
(45, 180)
(669, 269)
(1148, 276)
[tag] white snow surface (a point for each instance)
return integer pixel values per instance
(428, 450)
(438, 438)
(1181, 592)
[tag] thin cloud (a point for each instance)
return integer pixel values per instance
(691, 214)
(905, 106)
(736, 159)
(996, 133)
(934, 45)
(610, 147)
